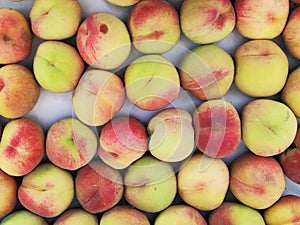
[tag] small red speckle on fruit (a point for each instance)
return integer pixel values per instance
(270, 17)
(10, 152)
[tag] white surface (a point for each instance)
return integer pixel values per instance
(52, 107)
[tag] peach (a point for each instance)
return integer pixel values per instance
(290, 163)
(98, 96)
(103, 41)
(123, 3)
(150, 184)
(98, 187)
(291, 34)
(231, 213)
(124, 215)
(268, 127)
(76, 216)
(256, 181)
(218, 128)
(53, 68)
(23, 217)
(55, 19)
(46, 191)
(285, 211)
(70, 144)
(122, 141)
(19, 92)
(205, 22)
(180, 214)
(151, 82)
(8, 191)
(171, 135)
(203, 182)
(207, 72)
(15, 36)
(273, 66)
(261, 19)
(154, 26)
(21, 146)
(291, 92)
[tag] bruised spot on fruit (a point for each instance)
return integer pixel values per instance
(103, 28)
(45, 13)
(6, 38)
(114, 155)
(1, 84)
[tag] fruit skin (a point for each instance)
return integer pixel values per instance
(23, 217)
(124, 215)
(217, 127)
(152, 82)
(15, 36)
(47, 191)
(291, 35)
(291, 92)
(256, 181)
(98, 96)
(200, 178)
(123, 3)
(207, 72)
(180, 214)
(57, 66)
(297, 138)
(19, 92)
(231, 213)
(290, 163)
(103, 41)
(268, 127)
(171, 135)
(154, 26)
(273, 66)
(21, 147)
(215, 20)
(76, 216)
(8, 190)
(98, 187)
(122, 140)
(150, 184)
(55, 19)
(70, 144)
(261, 20)
(285, 211)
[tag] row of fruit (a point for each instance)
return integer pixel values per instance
(131, 172)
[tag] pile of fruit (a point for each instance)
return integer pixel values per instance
(156, 135)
